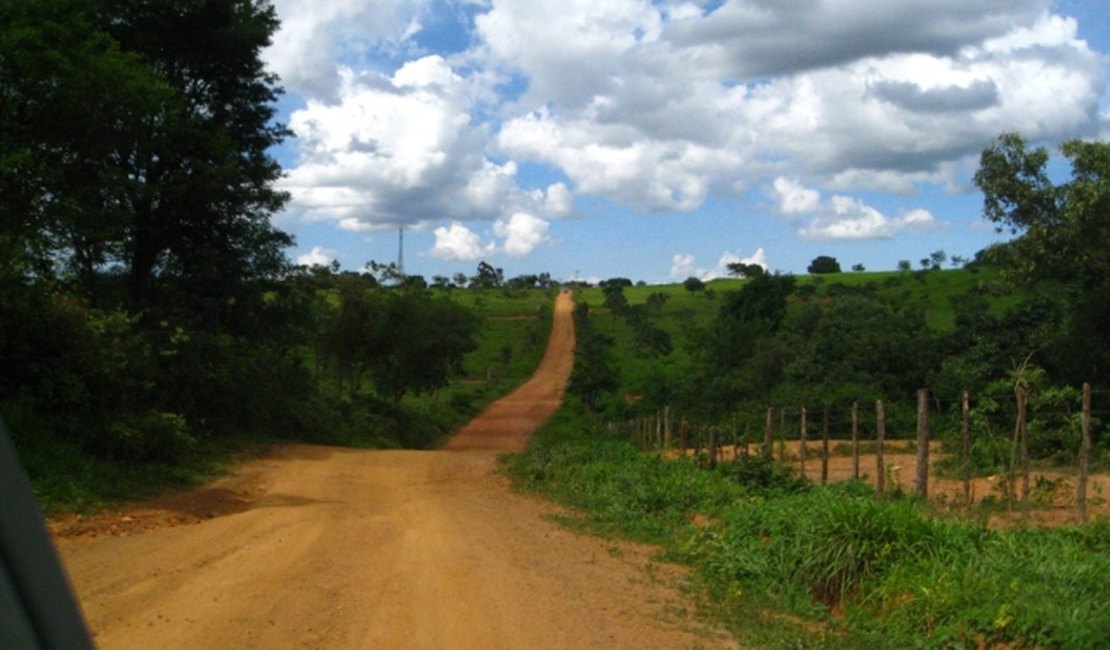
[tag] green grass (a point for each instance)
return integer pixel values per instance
(64, 479)
(789, 564)
(933, 289)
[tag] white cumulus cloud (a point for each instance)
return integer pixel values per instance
(459, 243)
(314, 34)
(844, 217)
(318, 256)
(522, 233)
(793, 198)
(684, 265)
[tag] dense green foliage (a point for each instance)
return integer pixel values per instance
(142, 306)
(1064, 240)
(823, 264)
(431, 360)
(149, 317)
(857, 572)
(836, 340)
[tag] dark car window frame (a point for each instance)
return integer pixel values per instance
(37, 607)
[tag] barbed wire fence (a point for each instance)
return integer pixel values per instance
(786, 434)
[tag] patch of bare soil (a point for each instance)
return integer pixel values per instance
(316, 547)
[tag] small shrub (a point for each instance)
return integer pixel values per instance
(764, 477)
(152, 436)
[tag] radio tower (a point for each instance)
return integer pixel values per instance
(401, 251)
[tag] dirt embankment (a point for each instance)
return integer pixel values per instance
(316, 547)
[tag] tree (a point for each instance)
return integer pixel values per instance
(70, 103)
(903, 265)
(353, 338)
(594, 375)
(615, 300)
(421, 341)
(858, 268)
(745, 270)
(753, 312)
(824, 264)
(656, 300)
(197, 226)
(487, 277)
(404, 339)
(693, 284)
(1064, 236)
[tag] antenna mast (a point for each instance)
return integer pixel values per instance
(401, 251)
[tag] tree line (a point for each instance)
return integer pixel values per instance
(146, 300)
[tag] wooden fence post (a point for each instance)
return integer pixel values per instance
(967, 447)
(880, 434)
(782, 435)
(921, 481)
(1084, 455)
(769, 435)
(667, 428)
(825, 446)
(855, 440)
(802, 444)
(684, 435)
(1022, 393)
(712, 444)
(736, 438)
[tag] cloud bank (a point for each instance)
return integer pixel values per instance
(658, 106)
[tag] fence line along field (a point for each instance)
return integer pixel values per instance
(1046, 495)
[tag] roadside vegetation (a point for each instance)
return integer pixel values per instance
(101, 414)
(792, 564)
(789, 564)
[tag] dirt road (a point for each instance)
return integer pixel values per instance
(339, 548)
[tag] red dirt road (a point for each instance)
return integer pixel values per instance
(340, 548)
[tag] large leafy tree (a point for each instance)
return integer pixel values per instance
(70, 100)
(135, 200)
(422, 342)
(1064, 238)
(134, 138)
(199, 225)
(824, 264)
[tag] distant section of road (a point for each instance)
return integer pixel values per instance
(340, 548)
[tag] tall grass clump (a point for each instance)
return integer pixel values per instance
(621, 490)
(1027, 587)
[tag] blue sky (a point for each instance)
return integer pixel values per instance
(659, 140)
